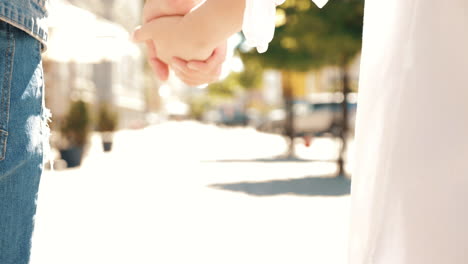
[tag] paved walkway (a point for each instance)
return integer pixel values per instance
(192, 193)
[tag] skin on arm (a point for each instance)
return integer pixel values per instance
(158, 8)
(212, 23)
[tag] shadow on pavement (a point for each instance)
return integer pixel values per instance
(309, 186)
(273, 160)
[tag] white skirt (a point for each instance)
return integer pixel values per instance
(409, 190)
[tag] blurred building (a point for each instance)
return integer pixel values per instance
(315, 85)
(124, 12)
(94, 60)
(321, 88)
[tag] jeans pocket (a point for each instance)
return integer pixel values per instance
(7, 50)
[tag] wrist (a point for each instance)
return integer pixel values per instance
(154, 9)
(181, 7)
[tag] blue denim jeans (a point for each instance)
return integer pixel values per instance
(28, 15)
(22, 140)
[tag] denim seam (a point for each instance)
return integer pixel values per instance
(6, 90)
(14, 169)
(26, 22)
(4, 134)
(41, 38)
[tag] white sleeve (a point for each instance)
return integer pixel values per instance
(259, 21)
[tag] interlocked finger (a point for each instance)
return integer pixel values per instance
(193, 79)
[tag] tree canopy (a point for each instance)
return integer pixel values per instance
(308, 37)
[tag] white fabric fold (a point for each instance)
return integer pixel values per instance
(259, 21)
(320, 3)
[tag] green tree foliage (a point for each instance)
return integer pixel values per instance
(308, 37)
(235, 84)
(225, 89)
(251, 77)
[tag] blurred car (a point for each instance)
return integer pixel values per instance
(237, 118)
(227, 117)
(319, 119)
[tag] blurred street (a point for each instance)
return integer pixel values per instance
(183, 192)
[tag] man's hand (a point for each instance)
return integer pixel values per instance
(154, 9)
(193, 72)
(164, 32)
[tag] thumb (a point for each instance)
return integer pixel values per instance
(142, 33)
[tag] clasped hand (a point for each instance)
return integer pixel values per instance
(169, 48)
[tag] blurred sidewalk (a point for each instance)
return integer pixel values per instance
(191, 193)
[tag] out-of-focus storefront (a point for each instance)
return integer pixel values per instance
(92, 59)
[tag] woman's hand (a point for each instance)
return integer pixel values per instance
(196, 73)
(171, 48)
(163, 32)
